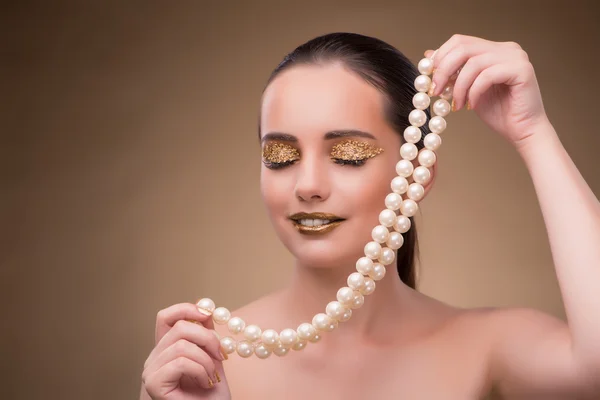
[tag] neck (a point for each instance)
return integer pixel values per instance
(312, 288)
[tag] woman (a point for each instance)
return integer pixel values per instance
(331, 124)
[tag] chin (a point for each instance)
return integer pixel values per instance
(326, 254)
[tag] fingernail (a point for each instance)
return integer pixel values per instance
(218, 377)
(468, 105)
(223, 353)
(203, 311)
(453, 105)
(431, 89)
(192, 321)
(433, 55)
(210, 383)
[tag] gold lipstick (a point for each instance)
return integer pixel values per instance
(333, 222)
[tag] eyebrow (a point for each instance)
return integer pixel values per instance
(286, 137)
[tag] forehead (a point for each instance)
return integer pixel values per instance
(313, 99)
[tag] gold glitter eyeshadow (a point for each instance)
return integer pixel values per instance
(354, 150)
(280, 153)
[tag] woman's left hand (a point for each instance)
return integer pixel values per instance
(497, 80)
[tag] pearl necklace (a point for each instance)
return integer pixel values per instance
(387, 238)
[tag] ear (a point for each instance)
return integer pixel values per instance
(433, 169)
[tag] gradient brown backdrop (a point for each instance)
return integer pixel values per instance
(130, 169)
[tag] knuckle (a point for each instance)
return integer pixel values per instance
(180, 326)
(161, 315)
(181, 346)
(513, 45)
(180, 363)
(523, 54)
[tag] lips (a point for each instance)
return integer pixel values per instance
(315, 223)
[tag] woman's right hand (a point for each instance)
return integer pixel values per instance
(186, 362)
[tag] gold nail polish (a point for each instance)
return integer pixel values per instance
(210, 383)
(431, 89)
(468, 105)
(223, 353)
(218, 377)
(203, 311)
(453, 105)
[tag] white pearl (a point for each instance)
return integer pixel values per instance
(364, 265)
(432, 141)
(422, 175)
(427, 158)
(356, 280)
(306, 331)
(346, 316)
(447, 93)
(412, 134)
(369, 286)
(409, 208)
(399, 185)
(421, 101)
(206, 304)
(244, 348)
(387, 217)
(404, 168)
(262, 351)
(378, 272)
(416, 192)
(221, 315)
(425, 66)
(236, 325)
(287, 337)
(417, 117)
(437, 124)
(299, 345)
(270, 337)
(228, 344)
(395, 241)
(324, 323)
(373, 250)
(335, 309)
(422, 83)
(387, 256)
(345, 295)
(315, 338)
(280, 350)
(402, 224)
(441, 107)
(252, 333)
(409, 151)
(393, 201)
(380, 233)
(358, 301)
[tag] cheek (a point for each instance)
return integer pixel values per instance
(274, 190)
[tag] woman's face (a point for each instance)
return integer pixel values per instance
(326, 149)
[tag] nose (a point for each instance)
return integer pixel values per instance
(312, 182)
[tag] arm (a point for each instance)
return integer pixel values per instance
(536, 354)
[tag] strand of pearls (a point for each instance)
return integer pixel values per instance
(380, 252)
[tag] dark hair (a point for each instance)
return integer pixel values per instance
(388, 70)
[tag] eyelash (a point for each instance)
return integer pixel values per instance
(339, 161)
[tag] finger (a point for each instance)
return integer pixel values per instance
(513, 73)
(450, 46)
(166, 378)
(185, 349)
(197, 334)
(469, 73)
(166, 318)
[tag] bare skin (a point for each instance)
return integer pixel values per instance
(400, 343)
(430, 351)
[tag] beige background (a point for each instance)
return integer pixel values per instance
(130, 165)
